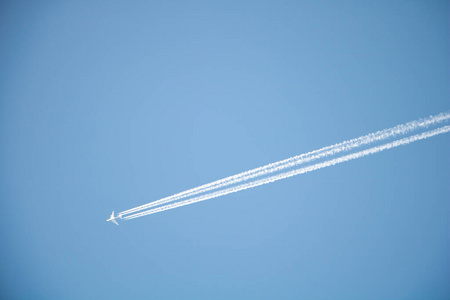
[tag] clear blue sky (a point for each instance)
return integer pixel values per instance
(106, 105)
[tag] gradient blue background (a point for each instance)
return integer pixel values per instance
(109, 105)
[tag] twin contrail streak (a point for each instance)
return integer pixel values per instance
(345, 146)
(285, 164)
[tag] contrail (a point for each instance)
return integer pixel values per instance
(299, 159)
(373, 150)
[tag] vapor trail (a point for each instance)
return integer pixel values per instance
(373, 150)
(299, 159)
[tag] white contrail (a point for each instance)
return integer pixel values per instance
(403, 141)
(300, 159)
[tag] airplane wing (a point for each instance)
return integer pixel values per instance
(115, 222)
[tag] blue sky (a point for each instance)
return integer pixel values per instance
(106, 105)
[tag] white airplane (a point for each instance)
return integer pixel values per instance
(113, 219)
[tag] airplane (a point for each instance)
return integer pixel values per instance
(113, 219)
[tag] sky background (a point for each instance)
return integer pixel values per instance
(106, 105)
